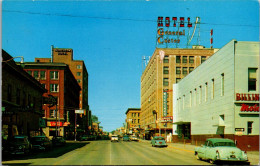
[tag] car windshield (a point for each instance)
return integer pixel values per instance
(225, 144)
(159, 138)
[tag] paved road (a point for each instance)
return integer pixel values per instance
(108, 153)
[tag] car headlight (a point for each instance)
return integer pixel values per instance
(244, 154)
(217, 154)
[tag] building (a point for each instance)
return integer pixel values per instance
(156, 85)
(61, 85)
(220, 98)
(21, 100)
(78, 69)
(133, 116)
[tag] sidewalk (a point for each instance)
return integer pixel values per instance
(253, 156)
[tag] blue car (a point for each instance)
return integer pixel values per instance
(158, 141)
(126, 138)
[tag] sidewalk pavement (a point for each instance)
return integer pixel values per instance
(253, 156)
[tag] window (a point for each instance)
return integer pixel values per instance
(191, 59)
(183, 102)
(78, 66)
(54, 74)
(36, 74)
(44, 85)
(178, 80)
(29, 72)
(9, 92)
(184, 70)
(54, 88)
(191, 69)
(213, 89)
(78, 73)
(18, 94)
(184, 59)
(178, 70)
(165, 81)
(52, 113)
(200, 99)
(206, 91)
(203, 59)
(252, 79)
(195, 97)
(165, 70)
(249, 127)
(166, 59)
(222, 84)
(43, 75)
(178, 59)
(79, 80)
(190, 98)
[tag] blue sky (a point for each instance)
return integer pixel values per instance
(113, 36)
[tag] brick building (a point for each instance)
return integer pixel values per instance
(133, 116)
(156, 84)
(21, 100)
(60, 84)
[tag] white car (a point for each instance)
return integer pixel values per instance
(133, 138)
(114, 138)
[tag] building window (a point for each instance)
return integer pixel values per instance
(249, 127)
(252, 79)
(36, 74)
(200, 99)
(54, 88)
(52, 113)
(78, 66)
(18, 94)
(222, 84)
(178, 70)
(9, 92)
(165, 81)
(184, 70)
(44, 86)
(203, 59)
(43, 75)
(54, 75)
(178, 80)
(191, 59)
(195, 97)
(178, 59)
(191, 69)
(206, 91)
(213, 89)
(78, 73)
(184, 59)
(166, 59)
(29, 72)
(165, 70)
(79, 80)
(190, 98)
(183, 102)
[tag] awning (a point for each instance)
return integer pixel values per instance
(181, 122)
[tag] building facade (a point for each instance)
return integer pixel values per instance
(156, 85)
(220, 98)
(21, 100)
(79, 70)
(61, 85)
(133, 116)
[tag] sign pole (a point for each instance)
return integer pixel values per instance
(75, 126)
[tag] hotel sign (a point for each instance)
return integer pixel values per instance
(165, 95)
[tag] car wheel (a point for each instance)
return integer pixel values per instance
(197, 156)
(211, 161)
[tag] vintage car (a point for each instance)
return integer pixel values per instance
(41, 143)
(18, 144)
(114, 138)
(158, 141)
(126, 138)
(58, 141)
(133, 138)
(220, 149)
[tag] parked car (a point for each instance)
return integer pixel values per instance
(220, 149)
(126, 138)
(41, 143)
(133, 138)
(84, 138)
(158, 141)
(58, 141)
(18, 144)
(114, 138)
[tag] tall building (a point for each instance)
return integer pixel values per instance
(64, 89)
(133, 116)
(78, 69)
(166, 67)
(221, 98)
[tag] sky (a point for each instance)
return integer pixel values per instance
(113, 36)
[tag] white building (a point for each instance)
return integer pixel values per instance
(220, 98)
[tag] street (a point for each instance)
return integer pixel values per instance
(107, 153)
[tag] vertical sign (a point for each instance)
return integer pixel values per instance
(164, 104)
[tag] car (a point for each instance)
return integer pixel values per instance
(126, 138)
(158, 141)
(133, 138)
(41, 143)
(85, 138)
(58, 141)
(220, 149)
(18, 144)
(114, 138)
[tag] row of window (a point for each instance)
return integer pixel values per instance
(134, 114)
(184, 59)
(134, 121)
(54, 75)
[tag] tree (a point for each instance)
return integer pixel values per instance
(94, 118)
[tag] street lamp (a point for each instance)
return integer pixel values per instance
(21, 62)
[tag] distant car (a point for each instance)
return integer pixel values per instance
(41, 143)
(126, 138)
(158, 141)
(18, 145)
(133, 138)
(220, 149)
(58, 141)
(85, 138)
(114, 138)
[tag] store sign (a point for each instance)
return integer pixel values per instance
(53, 123)
(247, 97)
(63, 51)
(248, 108)
(165, 95)
(166, 119)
